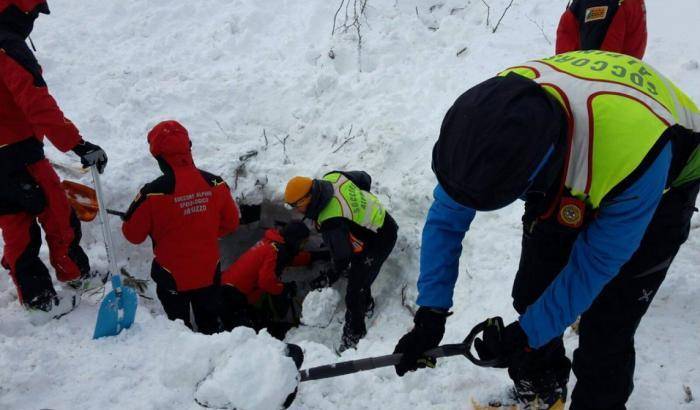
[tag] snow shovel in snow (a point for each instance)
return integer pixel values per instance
(83, 200)
(354, 366)
(118, 308)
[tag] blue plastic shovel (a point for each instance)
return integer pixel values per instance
(118, 308)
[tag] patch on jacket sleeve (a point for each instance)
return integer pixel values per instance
(212, 180)
(596, 13)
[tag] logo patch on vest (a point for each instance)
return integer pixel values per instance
(596, 13)
(571, 212)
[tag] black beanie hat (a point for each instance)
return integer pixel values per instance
(294, 233)
(494, 138)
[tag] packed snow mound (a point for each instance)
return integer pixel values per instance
(157, 364)
(319, 306)
(253, 376)
(269, 76)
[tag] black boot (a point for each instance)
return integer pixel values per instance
(540, 396)
(351, 337)
(539, 386)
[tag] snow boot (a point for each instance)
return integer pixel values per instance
(350, 338)
(531, 397)
(53, 308)
(89, 281)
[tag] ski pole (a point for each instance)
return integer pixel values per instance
(360, 365)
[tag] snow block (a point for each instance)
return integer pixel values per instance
(318, 307)
(255, 373)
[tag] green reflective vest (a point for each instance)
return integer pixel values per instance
(352, 203)
(618, 109)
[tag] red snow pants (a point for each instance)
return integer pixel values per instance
(22, 238)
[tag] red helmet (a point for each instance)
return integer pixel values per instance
(26, 6)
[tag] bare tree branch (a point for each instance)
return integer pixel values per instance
(335, 17)
(218, 124)
(283, 141)
(264, 134)
(502, 15)
(404, 302)
(488, 13)
(539, 26)
(354, 22)
(347, 139)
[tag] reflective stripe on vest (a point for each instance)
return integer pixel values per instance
(619, 107)
(352, 203)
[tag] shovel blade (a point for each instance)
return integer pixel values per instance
(82, 199)
(117, 312)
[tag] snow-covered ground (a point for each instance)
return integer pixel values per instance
(268, 76)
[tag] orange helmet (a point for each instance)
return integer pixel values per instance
(298, 192)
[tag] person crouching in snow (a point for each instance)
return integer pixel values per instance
(185, 211)
(253, 293)
(359, 232)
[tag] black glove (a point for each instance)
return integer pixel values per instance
(91, 154)
(425, 335)
(505, 345)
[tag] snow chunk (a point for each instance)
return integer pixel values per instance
(255, 375)
(318, 307)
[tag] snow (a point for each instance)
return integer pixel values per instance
(255, 376)
(318, 307)
(157, 364)
(250, 75)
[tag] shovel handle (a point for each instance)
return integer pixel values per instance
(104, 221)
(469, 341)
(117, 213)
(354, 366)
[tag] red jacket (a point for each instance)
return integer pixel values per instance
(611, 25)
(27, 110)
(184, 211)
(255, 272)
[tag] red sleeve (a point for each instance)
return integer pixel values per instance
(38, 106)
(636, 38)
(302, 258)
(137, 225)
(567, 33)
(267, 279)
(229, 216)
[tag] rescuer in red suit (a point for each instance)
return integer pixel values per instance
(30, 190)
(610, 25)
(253, 293)
(185, 211)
